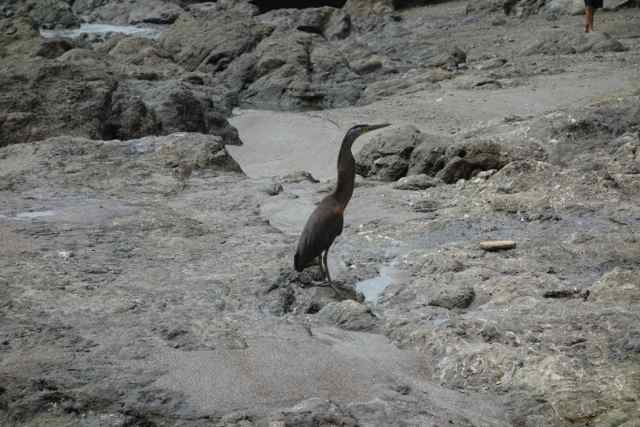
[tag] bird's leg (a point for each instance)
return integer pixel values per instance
(321, 267)
(326, 269)
(326, 266)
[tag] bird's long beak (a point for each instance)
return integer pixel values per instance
(374, 127)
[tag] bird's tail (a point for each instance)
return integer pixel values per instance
(297, 262)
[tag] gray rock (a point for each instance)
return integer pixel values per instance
(617, 287)
(18, 37)
(142, 51)
(155, 158)
(177, 279)
(390, 167)
(80, 94)
(452, 296)
(60, 98)
(53, 48)
(155, 13)
(329, 22)
(82, 56)
(415, 182)
(368, 8)
(486, 174)
(429, 156)
(576, 135)
(392, 85)
(626, 159)
(560, 42)
(424, 205)
(487, 6)
(173, 105)
(518, 8)
(498, 22)
(264, 68)
(451, 59)
(459, 168)
(619, 4)
(130, 117)
(53, 14)
(298, 176)
(490, 64)
(563, 7)
(368, 65)
(386, 156)
(339, 26)
(272, 188)
(465, 160)
(598, 41)
(298, 70)
(128, 11)
(210, 43)
(350, 315)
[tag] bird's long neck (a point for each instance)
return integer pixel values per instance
(346, 173)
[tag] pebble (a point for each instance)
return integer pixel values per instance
(272, 189)
(497, 245)
(65, 254)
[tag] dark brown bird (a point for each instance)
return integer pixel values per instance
(325, 222)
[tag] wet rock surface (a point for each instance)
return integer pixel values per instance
(82, 95)
(386, 156)
(563, 43)
(145, 279)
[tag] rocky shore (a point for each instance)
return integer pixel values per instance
(158, 160)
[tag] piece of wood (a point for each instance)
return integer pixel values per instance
(497, 245)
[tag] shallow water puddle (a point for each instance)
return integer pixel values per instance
(35, 214)
(373, 288)
(151, 33)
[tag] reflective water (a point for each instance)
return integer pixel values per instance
(103, 29)
(36, 214)
(373, 288)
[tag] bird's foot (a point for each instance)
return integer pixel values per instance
(335, 288)
(335, 285)
(320, 283)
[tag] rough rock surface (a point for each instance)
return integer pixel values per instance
(564, 43)
(368, 8)
(329, 22)
(53, 48)
(148, 281)
(466, 160)
(128, 12)
(135, 339)
(350, 315)
(52, 14)
(176, 106)
(415, 182)
(43, 98)
(386, 156)
(299, 71)
(212, 41)
(81, 95)
(18, 37)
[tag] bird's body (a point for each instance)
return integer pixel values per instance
(322, 228)
(326, 221)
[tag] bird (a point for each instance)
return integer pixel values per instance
(326, 221)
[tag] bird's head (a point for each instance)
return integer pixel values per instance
(359, 130)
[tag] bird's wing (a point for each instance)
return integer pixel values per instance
(323, 226)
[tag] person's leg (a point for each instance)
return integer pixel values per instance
(588, 19)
